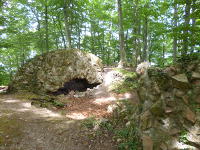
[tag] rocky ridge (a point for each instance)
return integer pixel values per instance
(168, 115)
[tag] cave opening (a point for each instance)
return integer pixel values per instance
(80, 85)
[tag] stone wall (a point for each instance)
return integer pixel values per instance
(50, 71)
(169, 115)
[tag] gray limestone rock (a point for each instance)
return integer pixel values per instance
(50, 71)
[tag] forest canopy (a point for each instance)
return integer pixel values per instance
(157, 31)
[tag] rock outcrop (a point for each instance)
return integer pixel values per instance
(51, 71)
(169, 116)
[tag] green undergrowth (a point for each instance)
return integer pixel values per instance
(121, 126)
(127, 84)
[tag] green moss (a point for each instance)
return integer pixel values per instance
(128, 84)
(126, 73)
(88, 123)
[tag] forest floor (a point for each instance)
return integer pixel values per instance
(24, 126)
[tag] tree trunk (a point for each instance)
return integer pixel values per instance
(163, 52)
(122, 62)
(93, 37)
(174, 32)
(138, 50)
(57, 38)
(135, 33)
(40, 40)
(193, 26)
(46, 28)
(186, 27)
(145, 34)
(61, 31)
(67, 25)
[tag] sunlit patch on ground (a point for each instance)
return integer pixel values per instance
(27, 105)
(76, 116)
(45, 112)
(179, 145)
(80, 108)
(104, 100)
(11, 101)
(109, 77)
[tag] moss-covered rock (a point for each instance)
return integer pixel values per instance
(49, 72)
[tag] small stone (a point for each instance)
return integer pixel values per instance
(186, 99)
(147, 142)
(146, 120)
(174, 131)
(189, 115)
(157, 109)
(168, 110)
(181, 78)
(195, 75)
(197, 99)
(128, 123)
(179, 93)
(180, 81)
(163, 146)
(196, 83)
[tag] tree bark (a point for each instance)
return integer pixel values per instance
(135, 33)
(61, 31)
(57, 38)
(138, 50)
(186, 27)
(145, 34)
(40, 40)
(122, 62)
(193, 26)
(46, 28)
(174, 32)
(67, 25)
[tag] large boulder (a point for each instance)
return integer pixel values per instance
(51, 71)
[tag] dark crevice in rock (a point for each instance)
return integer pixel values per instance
(80, 85)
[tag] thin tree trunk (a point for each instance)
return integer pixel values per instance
(67, 25)
(175, 33)
(135, 33)
(163, 52)
(126, 39)
(46, 28)
(40, 41)
(55, 26)
(193, 26)
(186, 27)
(61, 31)
(92, 32)
(138, 50)
(122, 62)
(145, 34)
(79, 36)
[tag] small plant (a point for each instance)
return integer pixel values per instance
(58, 104)
(198, 109)
(89, 123)
(183, 137)
(128, 84)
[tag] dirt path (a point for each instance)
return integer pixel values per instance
(26, 127)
